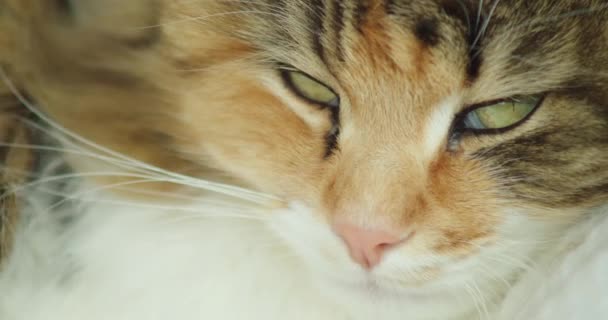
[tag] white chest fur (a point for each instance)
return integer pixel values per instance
(124, 261)
(121, 262)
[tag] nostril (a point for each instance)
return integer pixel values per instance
(385, 246)
(365, 246)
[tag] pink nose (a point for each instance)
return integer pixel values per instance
(366, 246)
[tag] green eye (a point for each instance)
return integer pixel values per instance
(311, 89)
(501, 115)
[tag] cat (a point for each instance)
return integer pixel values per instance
(291, 159)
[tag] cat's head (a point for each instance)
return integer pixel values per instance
(422, 147)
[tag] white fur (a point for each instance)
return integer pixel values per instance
(234, 260)
(438, 124)
(571, 284)
(123, 262)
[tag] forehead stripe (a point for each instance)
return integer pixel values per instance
(337, 27)
(316, 19)
(360, 14)
(462, 12)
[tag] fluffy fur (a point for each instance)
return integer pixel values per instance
(225, 261)
(195, 183)
(569, 284)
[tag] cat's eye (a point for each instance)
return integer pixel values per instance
(311, 89)
(501, 115)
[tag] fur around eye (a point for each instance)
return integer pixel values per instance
(499, 115)
(310, 89)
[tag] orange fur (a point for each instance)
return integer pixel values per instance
(195, 103)
(188, 106)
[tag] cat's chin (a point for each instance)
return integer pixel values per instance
(372, 285)
(379, 298)
(378, 289)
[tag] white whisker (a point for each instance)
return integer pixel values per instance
(67, 177)
(171, 177)
(475, 299)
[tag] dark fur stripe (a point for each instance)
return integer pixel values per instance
(462, 12)
(474, 65)
(548, 170)
(337, 23)
(427, 31)
(360, 14)
(331, 139)
(317, 18)
(389, 7)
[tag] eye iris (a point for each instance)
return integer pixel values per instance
(501, 115)
(504, 114)
(312, 89)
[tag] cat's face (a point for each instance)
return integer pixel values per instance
(421, 147)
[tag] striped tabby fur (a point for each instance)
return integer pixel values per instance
(199, 91)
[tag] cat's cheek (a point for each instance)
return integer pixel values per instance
(309, 236)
